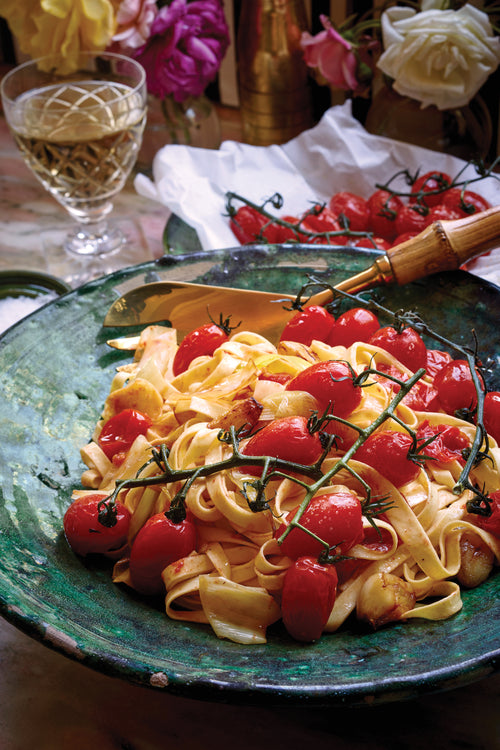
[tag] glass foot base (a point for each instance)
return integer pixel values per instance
(96, 241)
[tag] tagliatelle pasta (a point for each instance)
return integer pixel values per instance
(408, 563)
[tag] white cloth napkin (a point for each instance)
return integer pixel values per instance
(337, 154)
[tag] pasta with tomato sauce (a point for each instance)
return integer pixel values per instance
(382, 534)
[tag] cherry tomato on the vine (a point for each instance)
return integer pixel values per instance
(313, 322)
(421, 397)
(94, 527)
(466, 202)
(372, 242)
(307, 598)
(407, 346)
(491, 414)
(159, 543)
(119, 431)
(491, 523)
(442, 212)
(412, 219)
(403, 238)
(448, 444)
(288, 438)
(246, 224)
(321, 222)
(436, 360)
(331, 383)
(384, 208)
(356, 324)
(455, 386)
(202, 341)
(276, 233)
(430, 187)
(336, 518)
(388, 452)
(353, 207)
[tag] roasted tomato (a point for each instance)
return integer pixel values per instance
(331, 383)
(407, 346)
(288, 439)
(95, 525)
(455, 386)
(120, 431)
(356, 324)
(313, 322)
(336, 518)
(388, 451)
(159, 543)
(203, 341)
(307, 598)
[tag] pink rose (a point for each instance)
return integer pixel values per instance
(134, 19)
(333, 55)
(185, 49)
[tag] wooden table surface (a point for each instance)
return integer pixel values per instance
(50, 702)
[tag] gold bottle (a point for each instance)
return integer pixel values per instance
(275, 97)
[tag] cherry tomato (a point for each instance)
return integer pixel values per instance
(356, 324)
(428, 189)
(387, 451)
(442, 212)
(247, 224)
(455, 386)
(307, 598)
(491, 415)
(159, 543)
(92, 527)
(323, 221)
(288, 439)
(374, 243)
(407, 346)
(202, 341)
(421, 397)
(448, 444)
(466, 203)
(331, 383)
(353, 207)
(403, 238)
(384, 208)
(335, 517)
(120, 431)
(411, 219)
(313, 322)
(491, 523)
(277, 233)
(436, 360)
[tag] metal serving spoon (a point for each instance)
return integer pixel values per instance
(442, 246)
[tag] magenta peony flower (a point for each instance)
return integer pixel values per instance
(186, 46)
(333, 55)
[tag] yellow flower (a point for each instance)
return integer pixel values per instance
(61, 27)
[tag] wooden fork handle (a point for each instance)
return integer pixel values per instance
(445, 246)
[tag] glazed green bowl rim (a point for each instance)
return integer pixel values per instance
(51, 404)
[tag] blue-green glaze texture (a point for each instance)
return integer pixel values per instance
(56, 371)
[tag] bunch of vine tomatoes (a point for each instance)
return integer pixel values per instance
(382, 220)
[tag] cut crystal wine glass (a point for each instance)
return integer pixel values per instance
(80, 133)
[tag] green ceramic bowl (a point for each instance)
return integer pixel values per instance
(56, 371)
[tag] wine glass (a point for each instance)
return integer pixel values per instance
(80, 133)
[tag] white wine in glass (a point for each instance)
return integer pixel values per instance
(80, 133)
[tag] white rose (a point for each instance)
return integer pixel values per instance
(439, 57)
